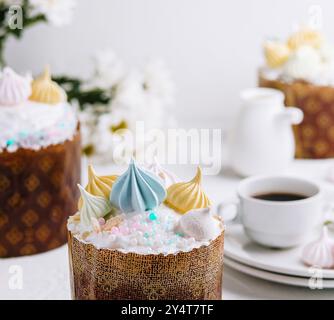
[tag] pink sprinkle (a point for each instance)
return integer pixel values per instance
(136, 218)
(143, 228)
(102, 221)
(136, 225)
(124, 230)
(115, 230)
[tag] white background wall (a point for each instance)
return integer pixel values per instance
(212, 47)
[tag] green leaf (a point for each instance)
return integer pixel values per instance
(85, 98)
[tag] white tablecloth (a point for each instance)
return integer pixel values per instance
(45, 276)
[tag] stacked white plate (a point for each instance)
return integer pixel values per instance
(282, 266)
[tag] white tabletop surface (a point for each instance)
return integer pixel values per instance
(45, 276)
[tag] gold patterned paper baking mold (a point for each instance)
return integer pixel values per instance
(314, 136)
(105, 274)
(34, 210)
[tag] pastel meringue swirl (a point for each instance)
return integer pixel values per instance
(92, 207)
(186, 196)
(200, 224)
(14, 89)
(98, 185)
(320, 253)
(137, 190)
(45, 90)
(166, 176)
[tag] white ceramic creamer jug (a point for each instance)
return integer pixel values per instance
(262, 140)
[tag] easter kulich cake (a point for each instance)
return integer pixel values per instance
(39, 164)
(303, 68)
(143, 235)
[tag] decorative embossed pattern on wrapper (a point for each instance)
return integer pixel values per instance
(315, 135)
(106, 274)
(38, 191)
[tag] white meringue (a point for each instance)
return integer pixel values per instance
(320, 253)
(92, 207)
(200, 224)
(305, 63)
(166, 176)
(14, 89)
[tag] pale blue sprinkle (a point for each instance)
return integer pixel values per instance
(153, 216)
(10, 142)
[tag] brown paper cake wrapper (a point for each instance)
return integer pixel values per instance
(315, 135)
(105, 274)
(38, 191)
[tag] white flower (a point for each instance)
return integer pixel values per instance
(113, 145)
(57, 12)
(130, 93)
(135, 96)
(157, 81)
(108, 71)
(88, 121)
(104, 130)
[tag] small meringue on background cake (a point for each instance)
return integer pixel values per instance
(145, 241)
(39, 163)
(302, 66)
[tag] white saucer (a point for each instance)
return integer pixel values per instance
(287, 262)
(311, 282)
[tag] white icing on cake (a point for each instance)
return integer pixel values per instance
(34, 125)
(151, 232)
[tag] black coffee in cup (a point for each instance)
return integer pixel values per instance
(280, 196)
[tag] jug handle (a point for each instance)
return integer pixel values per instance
(292, 115)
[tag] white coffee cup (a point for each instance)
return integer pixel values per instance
(278, 224)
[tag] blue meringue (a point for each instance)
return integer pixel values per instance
(137, 190)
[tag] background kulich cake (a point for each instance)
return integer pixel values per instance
(129, 242)
(315, 135)
(40, 164)
(105, 274)
(38, 191)
(302, 66)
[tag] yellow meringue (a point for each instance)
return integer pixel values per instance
(186, 196)
(305, 37)
(45, 90)
(276, 53)
(98, 186)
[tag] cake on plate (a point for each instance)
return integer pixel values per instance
(39, 164)
(303, 68)
(133, 238)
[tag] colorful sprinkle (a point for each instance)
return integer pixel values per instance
(171, 241)
(115, 230)
(23, 134)
(153, 216)
(10, 142)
